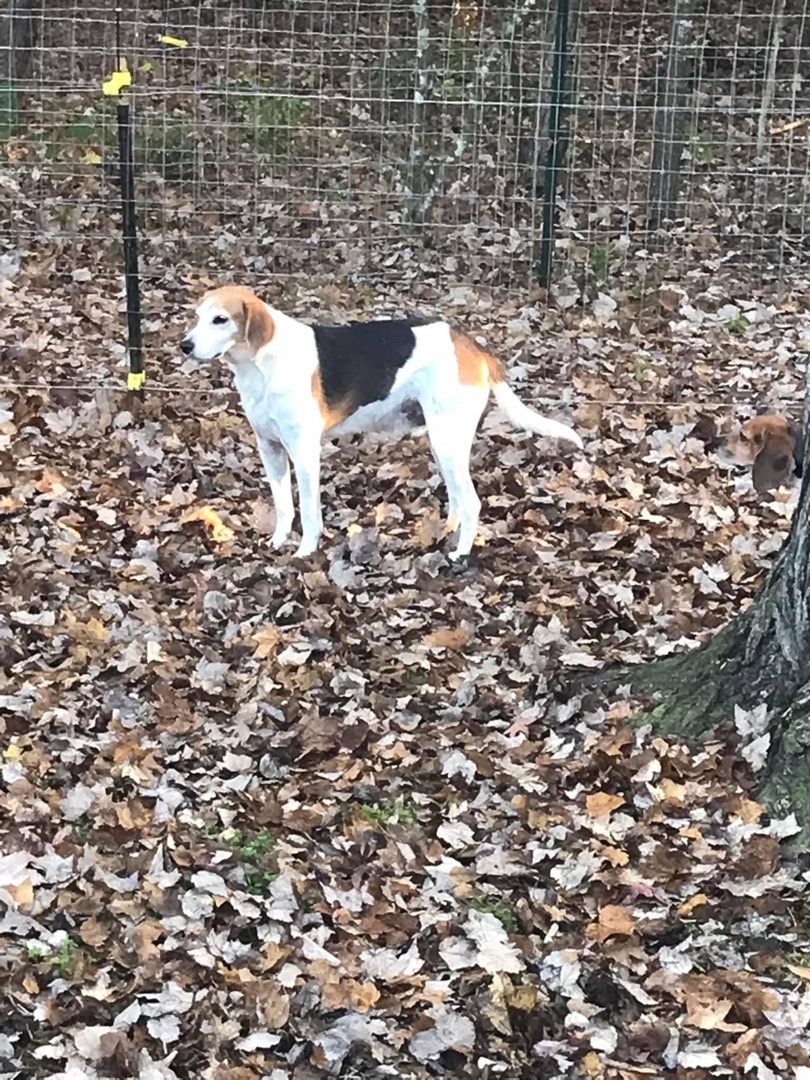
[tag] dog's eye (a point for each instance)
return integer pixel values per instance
(219, 320)
(743, 437)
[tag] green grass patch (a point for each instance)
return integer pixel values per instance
(250, 848)
(738, 325)
(502, 912)
(9, 111)
(600, 261)
(259, 881)
(391, 812)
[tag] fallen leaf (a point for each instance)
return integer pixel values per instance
(696, 901)
(707, 1015)
(602, 803)
(613, 920)
(451, 1031)
(220, 532)
(447, 638)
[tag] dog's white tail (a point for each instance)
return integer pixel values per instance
(521, 415)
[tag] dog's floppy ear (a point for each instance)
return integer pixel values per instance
(259, 328)
(797, 435)
(773, 465)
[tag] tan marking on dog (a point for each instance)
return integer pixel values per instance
(475, 366)
(758, 431)
(331, 414)
(255, 322)
(496, 370)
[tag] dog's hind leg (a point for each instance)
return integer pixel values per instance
(451, 431)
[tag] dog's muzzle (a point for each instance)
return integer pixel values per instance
(187, 346)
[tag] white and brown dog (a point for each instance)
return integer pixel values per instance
(299, 382)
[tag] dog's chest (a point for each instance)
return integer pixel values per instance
(270, 411)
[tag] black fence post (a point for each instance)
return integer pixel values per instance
(137, 374)
(120, 80)
(556, 131)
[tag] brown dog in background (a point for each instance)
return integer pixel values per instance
(773, 446)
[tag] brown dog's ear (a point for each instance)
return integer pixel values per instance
(773, 465)
(797, 435)
(259, 328)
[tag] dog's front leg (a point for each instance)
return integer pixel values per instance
(277, 469)
(306, 459)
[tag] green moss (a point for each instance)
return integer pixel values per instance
(390, 812)
(501, 911)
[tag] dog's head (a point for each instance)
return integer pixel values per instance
(230, 318)
(772, 446)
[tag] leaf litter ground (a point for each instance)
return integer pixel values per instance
(341, 817)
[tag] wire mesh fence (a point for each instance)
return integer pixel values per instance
(406, 141)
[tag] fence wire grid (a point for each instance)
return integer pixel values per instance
(392, 141)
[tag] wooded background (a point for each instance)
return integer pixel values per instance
(373, 140)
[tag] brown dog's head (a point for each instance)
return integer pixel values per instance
(229, 317)
(772, 445)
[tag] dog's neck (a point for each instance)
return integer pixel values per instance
(240, 354)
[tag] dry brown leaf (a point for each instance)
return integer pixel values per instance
(616, 743)
(750, 812)
(266, 641)
(739, 1050)
(696, 901)
(275, 1007)
(447, 638)
(346, 993)
(23, 893)
(602, 803)
(364, 996)
(615, 856)
(94, 932)
(620, 710)
(143, 939)
(523, 997)
(591, 1065)
(706, 1015)
(613, 920)
(673, 791)
(220, 532)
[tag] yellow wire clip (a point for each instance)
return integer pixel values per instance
(118, 80)
(178, 42)
(135, 380)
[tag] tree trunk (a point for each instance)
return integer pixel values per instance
(761, 658)
(422, 164)
(769, 89)
(673, 85)
(17, 42)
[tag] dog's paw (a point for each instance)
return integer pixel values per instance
(305, 549)
(279, 539)
(458, 565)
(458, 556)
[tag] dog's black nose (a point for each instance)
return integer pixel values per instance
(187, 345)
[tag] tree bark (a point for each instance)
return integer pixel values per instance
(673, 87)
(422, 166)
(761, 658)
(769, 89)
(17, 41)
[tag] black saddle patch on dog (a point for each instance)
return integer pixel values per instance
(359, 362)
